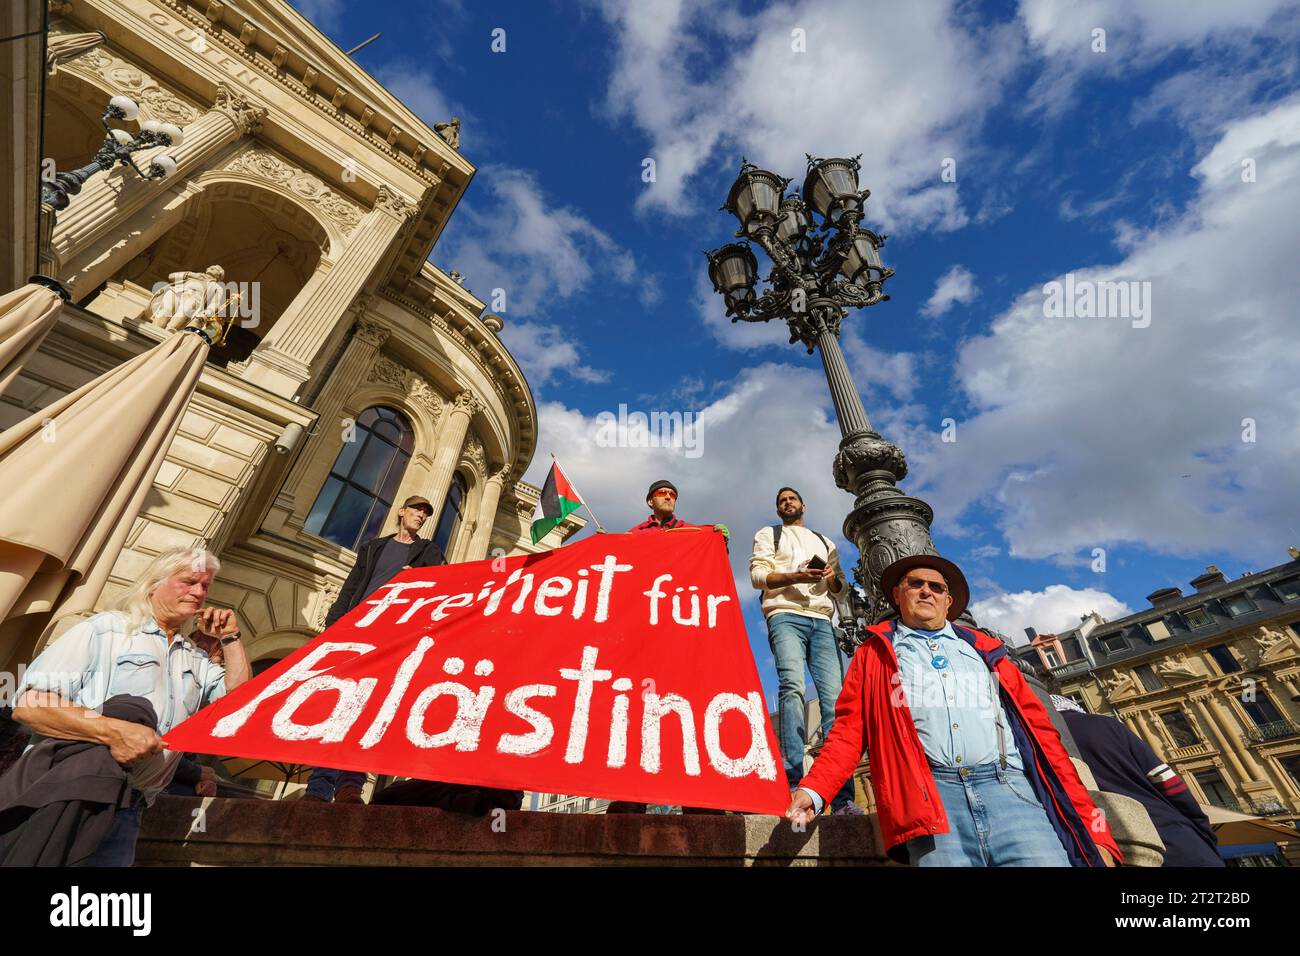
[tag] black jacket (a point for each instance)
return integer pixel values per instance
(422, 554)
(58, 802)
(1123, 763)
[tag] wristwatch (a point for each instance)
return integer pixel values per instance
(230, 639)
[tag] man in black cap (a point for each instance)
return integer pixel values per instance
(377, 561)
(662, 501)
(965, 763)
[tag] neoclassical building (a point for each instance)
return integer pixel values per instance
(1209, 678)
(365, 375)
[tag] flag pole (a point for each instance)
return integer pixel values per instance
(555, 461)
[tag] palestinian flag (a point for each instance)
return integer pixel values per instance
(558, 501)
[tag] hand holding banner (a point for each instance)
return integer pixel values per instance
(616, 667)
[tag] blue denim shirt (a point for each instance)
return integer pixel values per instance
(101, 658)
(956, 708)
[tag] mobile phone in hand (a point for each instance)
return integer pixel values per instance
(817, 563)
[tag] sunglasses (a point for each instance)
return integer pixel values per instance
(916, 584)
(665, 493)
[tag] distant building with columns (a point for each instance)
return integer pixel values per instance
(365, 375)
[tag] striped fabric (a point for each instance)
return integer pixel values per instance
(1167, 780)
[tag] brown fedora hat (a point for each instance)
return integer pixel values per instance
(890, 577)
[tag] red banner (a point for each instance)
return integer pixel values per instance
(615, 667)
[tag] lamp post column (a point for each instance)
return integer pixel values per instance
(885, 523)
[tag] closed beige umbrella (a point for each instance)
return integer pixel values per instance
(75, 476)
(62, 47)
(26, 316)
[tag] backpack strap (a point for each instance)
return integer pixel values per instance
(776, 538)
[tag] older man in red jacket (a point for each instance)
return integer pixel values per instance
(965, 764)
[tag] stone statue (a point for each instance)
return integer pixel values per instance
(1268, 642)
(1179, 667)
(450, 132)
(456, 277)
(191, 299)
(325, 601)
(1266, 638)
(1120, 684)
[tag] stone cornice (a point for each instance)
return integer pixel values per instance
(488, 353)
(245, 38)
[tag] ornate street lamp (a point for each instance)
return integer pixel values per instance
(823, 264)
(56, 191)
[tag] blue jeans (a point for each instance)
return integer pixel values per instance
(118, 848)
(800, 641)
(994, 819)
(324, 781)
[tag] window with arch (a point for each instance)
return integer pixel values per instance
(452, 512)
(359, 491)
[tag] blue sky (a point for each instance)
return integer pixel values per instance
(1170, 157)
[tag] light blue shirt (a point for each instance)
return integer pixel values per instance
(955, 707)
(102, 658)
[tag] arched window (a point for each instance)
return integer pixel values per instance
(358, 494)
(452, 512)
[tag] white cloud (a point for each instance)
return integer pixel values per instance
(875, 368)
(1052, 610)
(543, 350)
(518, 240)
(1091, 433)
(1137, 36)
(1136, 29)
(909, 88)
(955, 287)
(540, 255)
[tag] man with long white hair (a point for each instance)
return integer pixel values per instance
(160, 651)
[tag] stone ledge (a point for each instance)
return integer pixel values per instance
(269, 833)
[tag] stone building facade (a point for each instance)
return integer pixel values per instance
(1210, 679)
(302, 177)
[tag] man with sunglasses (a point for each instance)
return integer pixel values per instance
(965, 763)
(662, 501)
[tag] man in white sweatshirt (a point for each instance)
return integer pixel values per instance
(798, 571)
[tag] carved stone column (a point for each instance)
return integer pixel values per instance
(451, 439)
(1149, 728)
(284, 358)
(107, 200)
(1215, 731)
(487, 514)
